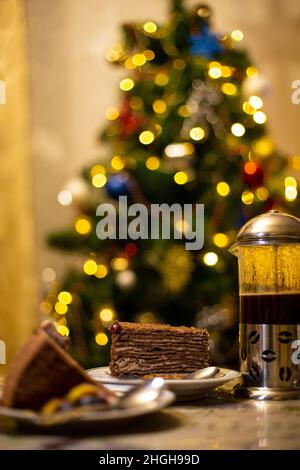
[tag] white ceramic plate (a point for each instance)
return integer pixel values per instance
(185, 389)
(74, 419)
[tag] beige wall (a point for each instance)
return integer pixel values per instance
(17, 288)
(72, 85)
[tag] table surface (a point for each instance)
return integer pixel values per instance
(215, 422)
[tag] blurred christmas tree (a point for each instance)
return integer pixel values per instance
(189, 128)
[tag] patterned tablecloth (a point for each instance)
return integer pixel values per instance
(216, 422)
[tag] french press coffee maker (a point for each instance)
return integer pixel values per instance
(268, 251)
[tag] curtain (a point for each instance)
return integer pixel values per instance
(17, 290)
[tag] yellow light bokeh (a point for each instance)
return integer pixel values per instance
(210, 259)
(215, 72)
(117, 163)
(101, 339)
(99, 180)
(153, 163)
(119, 264)
(229, 89)
(256, 102)
(60, 308)
(161, 79)
(90, 267)
(180, 177)
(197, 133)
(290, 181)
(226, 71)
(126, 84)
(223, 188)
(248, 108)
(221, 240)
(146, 137)
(238, 129)
(101, 271)
(237, 35)
(291, 193)
(188, 148)
(129, 64)
(139, 59)
(183, 111)
(264, 147)
(262, 193)
(149, 54)
(149, 27)
(159, 106)
(63, 330)
(259, 117)
(65, 297)
(247, 197)
(112, 113)
(83, 226)
(97, 169)
(252, 72)
(106, 314)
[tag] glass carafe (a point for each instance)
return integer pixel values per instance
(268, 251)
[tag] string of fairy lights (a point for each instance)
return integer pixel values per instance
(252, 108)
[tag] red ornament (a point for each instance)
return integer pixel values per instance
(115, 327)
(131, 249)
(253, 174)
(130, 122)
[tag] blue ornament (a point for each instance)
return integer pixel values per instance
(117, 185)
(205, 44)
(241, 217)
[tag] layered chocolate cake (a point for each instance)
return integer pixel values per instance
(42, 370)
(148, 349)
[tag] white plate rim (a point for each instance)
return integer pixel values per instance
(229, 374)
(101, 416)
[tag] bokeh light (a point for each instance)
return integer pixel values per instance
(237, 35)
(221, 240)
(180, 177)
(112, 113)
(210, 258)
(106, 314)
(259, 117)
(149, 27)
(238, 129)
(65, 198)
(197, 133)
(153, 163)
(90, 267)
(101, 339)
(247, 197)
(126, 84)
(223, 188)
(83, 226)
(146, 137)
(65, 297)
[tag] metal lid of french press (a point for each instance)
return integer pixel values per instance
(273, 227)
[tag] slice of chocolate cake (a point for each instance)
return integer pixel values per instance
(140, 349)
(42, 370)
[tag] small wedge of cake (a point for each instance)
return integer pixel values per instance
(42, 370)
(141, 349)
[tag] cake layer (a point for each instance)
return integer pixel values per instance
(140, 349)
